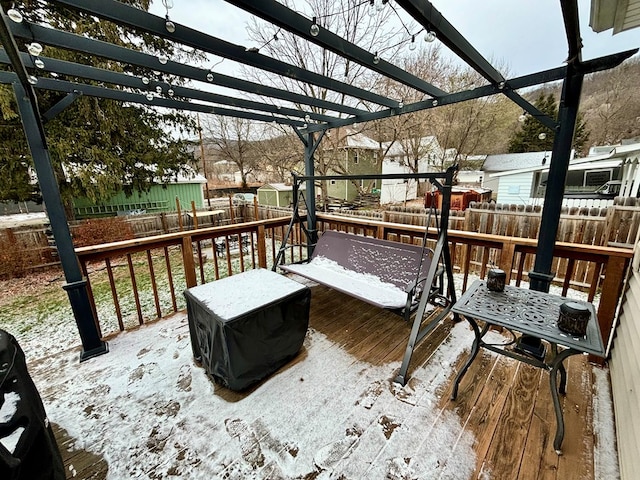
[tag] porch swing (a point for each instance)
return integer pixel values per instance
(413, 281)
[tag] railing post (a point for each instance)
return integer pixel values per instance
(188, 262)
(262, 247)
(380, 232)
(506, 257)
(614, 274)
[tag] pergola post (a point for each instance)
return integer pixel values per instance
(76, 284)
(541, 276)
(309, 170)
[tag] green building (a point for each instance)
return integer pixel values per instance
(277, 194)
(355, 153)
(159, 198)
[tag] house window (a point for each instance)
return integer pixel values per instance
(355, 157)
(333, 182)
(375, 157)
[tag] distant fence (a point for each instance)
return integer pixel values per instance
(614, 226)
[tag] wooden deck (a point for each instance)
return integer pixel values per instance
(504, 404)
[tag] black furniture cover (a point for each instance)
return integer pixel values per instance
(36, 455)
(246, 326)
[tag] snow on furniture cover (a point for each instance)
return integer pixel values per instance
(380, 272)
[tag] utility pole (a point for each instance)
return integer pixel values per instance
(204, 163)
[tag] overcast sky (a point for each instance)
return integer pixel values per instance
(526, 35)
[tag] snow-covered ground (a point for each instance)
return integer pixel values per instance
(151, 413)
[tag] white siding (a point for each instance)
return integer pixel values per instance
(395, 191)
(515, 189)
(625, 376)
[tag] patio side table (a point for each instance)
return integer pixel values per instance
(532, 313)
(246, 326)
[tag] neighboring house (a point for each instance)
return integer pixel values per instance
(159, 198)
(505, 177)
(356, 154)
(277, 194)
(399, 156)
(523, 177)
(360, 154)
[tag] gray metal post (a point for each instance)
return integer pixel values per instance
(541, 276)
(76, 284)
(309, 169)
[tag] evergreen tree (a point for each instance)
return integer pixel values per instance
(533, 136)
(97, 147)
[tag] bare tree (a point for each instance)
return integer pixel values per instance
(233, 138)
(350, 20)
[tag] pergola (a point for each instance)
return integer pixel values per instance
(25, 76)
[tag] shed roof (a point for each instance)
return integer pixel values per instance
(280, 187)
(515, 161)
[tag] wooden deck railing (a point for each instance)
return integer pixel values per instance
(165, 263)
(599, 269)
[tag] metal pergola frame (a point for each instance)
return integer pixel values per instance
(126, 88)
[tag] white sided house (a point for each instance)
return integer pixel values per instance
(399, 155)
(526, 183)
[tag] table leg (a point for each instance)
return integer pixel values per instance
(474, 351)
(553, 379)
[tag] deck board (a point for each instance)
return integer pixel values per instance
(505, 405)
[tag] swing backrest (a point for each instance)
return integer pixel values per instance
(392, 262)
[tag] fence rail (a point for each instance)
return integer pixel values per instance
(145, 277)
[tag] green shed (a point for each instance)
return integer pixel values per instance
(276, 194)
(159, 198)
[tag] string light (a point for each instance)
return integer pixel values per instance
(168, 24)
(15, 15)
(430, 36)
(523, 117)
(542, 136)
(376, 59)
(38, 63)
(412, 45)
(34, 49)
(315, 29)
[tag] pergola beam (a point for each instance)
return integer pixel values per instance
(78, 43)
(282, 16)
(122, 96)
(146, 22)
(129, 81)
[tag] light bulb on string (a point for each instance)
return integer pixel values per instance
(307, 118)
(158, 89)
(372, 8)
(210, 77)
(376, 58)
(169, 25)
(38, 63)
(145, 80)
(315, 29)
(412, 45)
(149, 96)
(163, 59)
(34, 49)
(167, 4)
(32, 79)
(380, 5)
(430, 36)
(542, 136)
(170, 92)
(15, 15)
(523, 117)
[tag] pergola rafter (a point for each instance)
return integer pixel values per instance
(358, 105)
